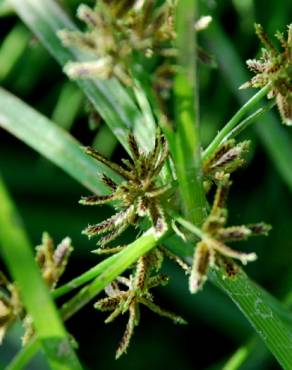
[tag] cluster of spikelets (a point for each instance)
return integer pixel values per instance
(117, 30)
(52, 263)
(141, 195)
(274, 68)
(137, 196)
(211, 250)
(126, 294)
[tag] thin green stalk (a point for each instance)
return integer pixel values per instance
(13, 46)
(274, 137)
(105, 142)
(122, 261)
(24, 356)
(188, 225)
(68, 106)
(233, 122)
(253, 351)
(240, 355)
(187, 141)
(17, 254)
(248, 121)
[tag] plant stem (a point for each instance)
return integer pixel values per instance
(188, 225)
(17, 254)
(248, 121)
(187, 142)
(24, 356)
(128, 256)
(118, 262)
(102, 274)
(231, 124)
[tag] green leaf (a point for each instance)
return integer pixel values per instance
(12, 48)
(110, 98)
(270, 319)
(52, 142)
(17, 253)
(107, 271)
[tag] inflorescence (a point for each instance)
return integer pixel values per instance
(52, 262)
(137, 196)
(274, 68)
(117, 30)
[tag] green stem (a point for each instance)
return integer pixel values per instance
(188, 225)
(187, 141)
(17, 254)
(231, 124)
(239, 357)
(102, 274)
(128, 256)
(269, 319)
(248, 121)
(115, 264)
(24, 356)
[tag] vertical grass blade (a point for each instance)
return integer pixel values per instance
(17, 254)
(12, 48)
(187, 142)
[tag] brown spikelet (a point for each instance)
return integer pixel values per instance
(125, 341)
(133, 146)
(285, 108)
(94, 200)
(109, 182)
(200, 267)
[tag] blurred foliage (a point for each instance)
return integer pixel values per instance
(48, 200)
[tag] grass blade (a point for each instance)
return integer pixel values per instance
(187, 142)
(12, 48)
(17, 253)
(269, 318)
(51, 141)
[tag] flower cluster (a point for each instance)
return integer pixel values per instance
(228, 158)
(116, 31)
(274, 68)
(10, 305)
(211, 250)
(52, 263)
(127, 294)
(137, 196)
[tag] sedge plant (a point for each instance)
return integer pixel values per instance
(167, 188)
